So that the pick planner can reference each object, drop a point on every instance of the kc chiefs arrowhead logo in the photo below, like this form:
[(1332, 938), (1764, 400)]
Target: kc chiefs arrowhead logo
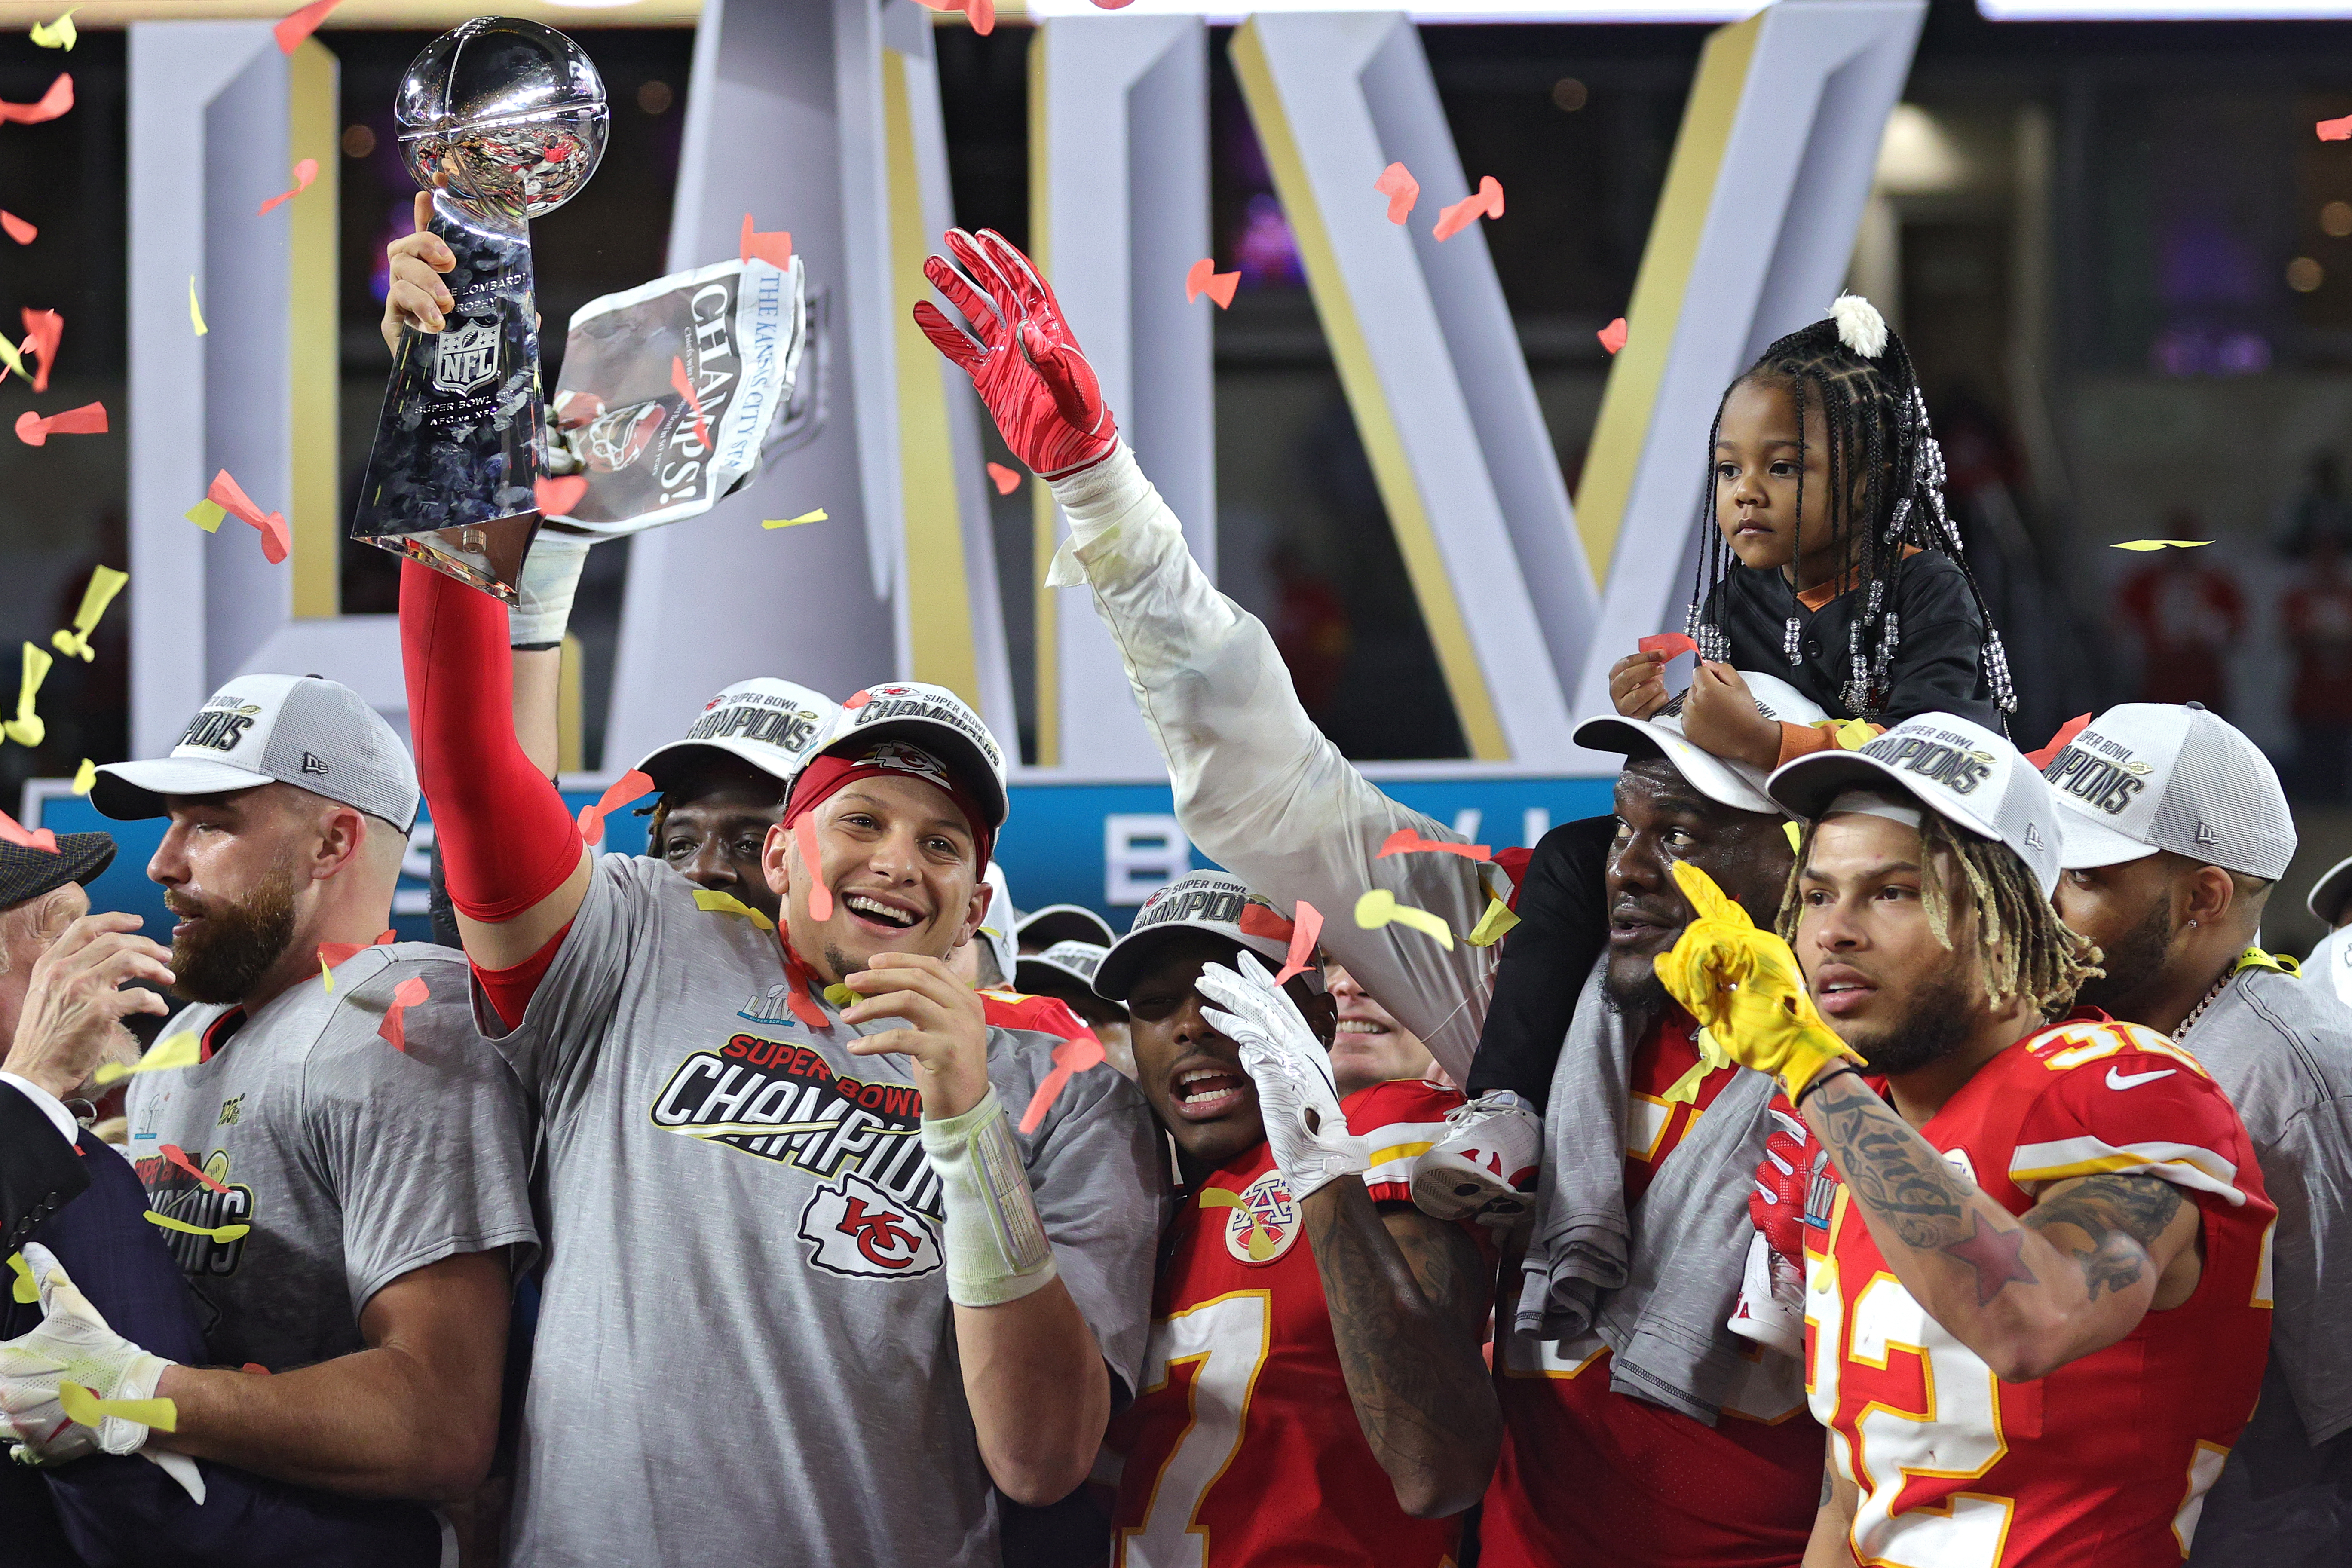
[(855, 1228)]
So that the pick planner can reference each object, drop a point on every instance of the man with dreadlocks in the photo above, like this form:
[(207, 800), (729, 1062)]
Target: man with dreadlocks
[(1831, 555), (2038, 1280)]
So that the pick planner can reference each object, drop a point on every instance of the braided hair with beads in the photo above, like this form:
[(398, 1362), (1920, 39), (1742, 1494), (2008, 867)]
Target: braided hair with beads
[(1886, 474)]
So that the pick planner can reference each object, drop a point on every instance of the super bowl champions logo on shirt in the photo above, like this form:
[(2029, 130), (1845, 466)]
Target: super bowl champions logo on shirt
[(878, 1217), (187, 1202)]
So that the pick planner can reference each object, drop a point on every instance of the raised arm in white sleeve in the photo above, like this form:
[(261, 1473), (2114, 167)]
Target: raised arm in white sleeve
[(1258, 787)]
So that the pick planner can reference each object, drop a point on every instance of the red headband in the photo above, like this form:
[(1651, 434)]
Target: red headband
[(827, 775)]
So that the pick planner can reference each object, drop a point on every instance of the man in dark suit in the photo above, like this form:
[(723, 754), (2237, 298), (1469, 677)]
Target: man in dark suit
[(62, 971)]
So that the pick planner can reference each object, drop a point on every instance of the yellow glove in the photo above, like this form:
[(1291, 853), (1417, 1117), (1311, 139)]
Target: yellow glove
[(1744, 986)]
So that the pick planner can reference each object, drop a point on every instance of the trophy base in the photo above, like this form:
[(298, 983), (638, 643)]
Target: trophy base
[(484, 555)]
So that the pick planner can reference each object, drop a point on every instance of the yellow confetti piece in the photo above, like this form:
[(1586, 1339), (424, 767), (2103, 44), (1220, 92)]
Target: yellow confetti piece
[(23, 1290), (1260, 1245), (182, 1050), (9, 357), (223, 1233), (85, 777), (1712, 1058), (28, 727), (1379, 907), (1796, 839), (2162, 543), (728, 904), (195, 312), (57, 35), (842, 995), (1855, 733), (817, 516), (84, 1408), (1493, 925), (206, 515), (326, 976), (105, 582)]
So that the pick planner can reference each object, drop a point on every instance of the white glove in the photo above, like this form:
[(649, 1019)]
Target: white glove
[(551, 575), (73, 1345), (1292, 1069)]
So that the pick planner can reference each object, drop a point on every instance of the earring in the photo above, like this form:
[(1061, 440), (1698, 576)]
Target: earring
[(2193, 925)]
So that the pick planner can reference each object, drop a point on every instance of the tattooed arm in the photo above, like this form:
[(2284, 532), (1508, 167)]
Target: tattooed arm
[(1828, 1546), (2074, 1276), (1408, 1297)]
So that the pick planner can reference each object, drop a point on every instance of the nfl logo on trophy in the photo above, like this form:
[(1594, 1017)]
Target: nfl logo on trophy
[(468, 358)]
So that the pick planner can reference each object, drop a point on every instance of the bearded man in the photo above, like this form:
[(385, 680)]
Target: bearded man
[(340, 1167)]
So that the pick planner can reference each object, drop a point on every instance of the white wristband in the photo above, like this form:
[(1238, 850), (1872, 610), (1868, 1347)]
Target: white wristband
[(995, 1245), (550, 574)]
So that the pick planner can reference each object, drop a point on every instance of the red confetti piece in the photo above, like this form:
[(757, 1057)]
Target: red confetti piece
[(820, 899), (775, 249), (2336, 130), (54, 102), (1405, 841), (1397, 183), (1487, 201), (89, 420), (1670, 644), (43, 328), (405, 995), (1204, 279), (1006, 479), (858, 699), (1613, 336), (227, 494), (256, 1368), (1305, 933), (684, 388), (300, 24), (332, 954), (796, 994), (1071, 1057), (981, 13), (557, 497), (631, 786), (304, 173), (14, 832), (178, 1156), (2058, 742), (1258, 920), (20, 231)]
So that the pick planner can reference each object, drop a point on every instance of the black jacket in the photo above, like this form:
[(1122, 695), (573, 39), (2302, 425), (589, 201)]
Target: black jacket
[(1938, 657), (39, 1171)]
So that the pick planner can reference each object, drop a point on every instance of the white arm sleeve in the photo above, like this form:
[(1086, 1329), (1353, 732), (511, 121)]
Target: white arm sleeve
[(1258, 787)]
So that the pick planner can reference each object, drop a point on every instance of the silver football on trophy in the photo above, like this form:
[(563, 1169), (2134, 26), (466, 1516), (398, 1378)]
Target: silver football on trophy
[(512, 111)]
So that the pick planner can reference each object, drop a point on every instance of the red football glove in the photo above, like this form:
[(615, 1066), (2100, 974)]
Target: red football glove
[(1777, 1203), (1038, 386)]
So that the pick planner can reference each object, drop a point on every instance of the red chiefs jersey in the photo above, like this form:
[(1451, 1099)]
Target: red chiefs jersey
[(1592, 1477), (2105, 1461), (1242, 1447)]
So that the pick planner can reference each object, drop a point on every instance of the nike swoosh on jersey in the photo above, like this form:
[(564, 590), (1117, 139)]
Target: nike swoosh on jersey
[(2118, 1079)]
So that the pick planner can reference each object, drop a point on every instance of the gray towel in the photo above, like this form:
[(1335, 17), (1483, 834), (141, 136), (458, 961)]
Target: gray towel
[(1659, 1283)]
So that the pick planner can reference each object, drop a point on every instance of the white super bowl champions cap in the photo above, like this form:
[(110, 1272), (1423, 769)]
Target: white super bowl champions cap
[(774, 725), (301, 729), (996, 925), (1958, 769), (929, 719), (1739, 785), (2147, 776), (1198, 900)]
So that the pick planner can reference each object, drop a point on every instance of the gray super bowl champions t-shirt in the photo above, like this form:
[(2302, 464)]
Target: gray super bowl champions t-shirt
[(746, 1354), (349, 1162)]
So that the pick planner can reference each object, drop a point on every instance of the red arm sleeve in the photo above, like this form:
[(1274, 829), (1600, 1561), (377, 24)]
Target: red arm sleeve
[(506, 840)]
